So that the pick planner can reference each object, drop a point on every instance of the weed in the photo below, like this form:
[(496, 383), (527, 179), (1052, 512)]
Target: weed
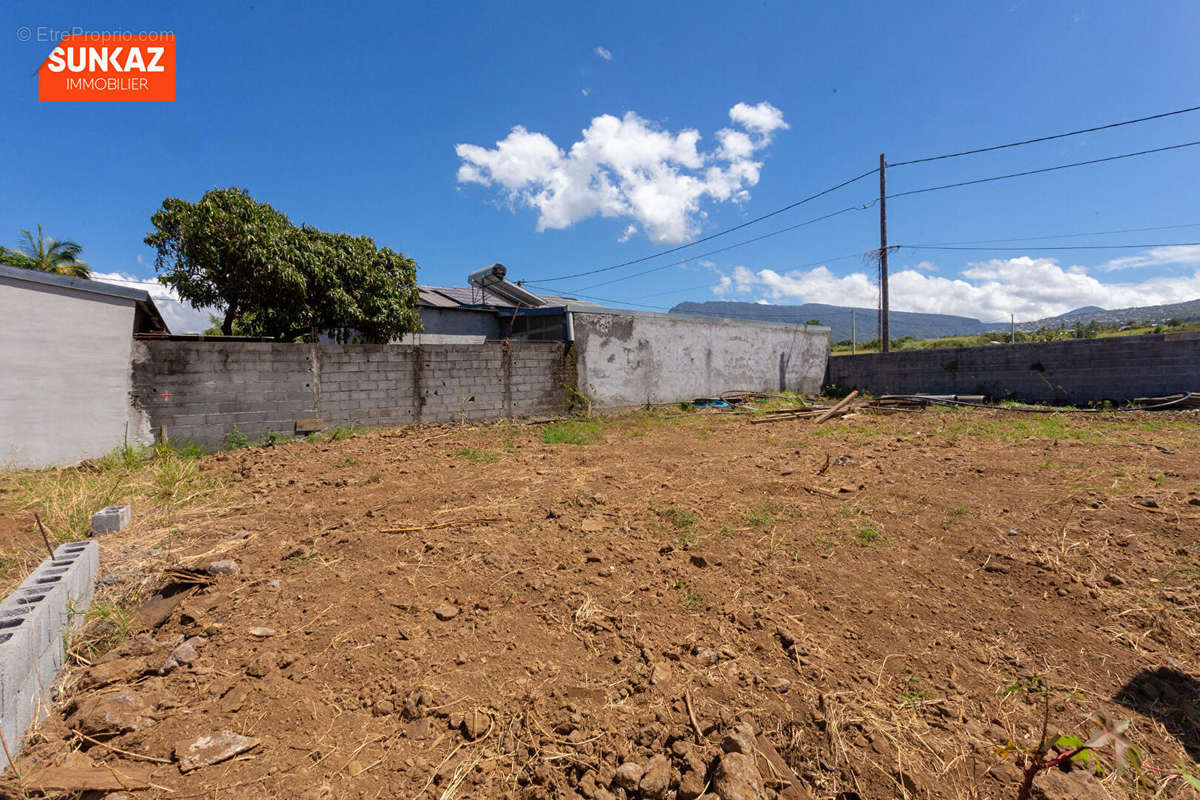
[(681, 519), (825, 547), (272, 438), (869, 537), (298, 561), (105, 626), (374, 477), (576, 431), (685, 539), (349, 431), (237, 440), (911, 694), (726, 531), (686, 595), (476, 454), (346, 461)]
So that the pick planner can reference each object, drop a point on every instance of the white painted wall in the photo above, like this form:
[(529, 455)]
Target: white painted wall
[(634, 358), (65, 374)]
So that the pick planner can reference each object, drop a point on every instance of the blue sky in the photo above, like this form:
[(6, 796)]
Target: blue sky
[(353, 117)]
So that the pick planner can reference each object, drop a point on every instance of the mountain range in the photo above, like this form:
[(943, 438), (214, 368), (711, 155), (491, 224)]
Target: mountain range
[(927, 326)]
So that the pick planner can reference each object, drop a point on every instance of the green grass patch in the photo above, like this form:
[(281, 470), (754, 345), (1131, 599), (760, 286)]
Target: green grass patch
[(575, 431), (478, 454)]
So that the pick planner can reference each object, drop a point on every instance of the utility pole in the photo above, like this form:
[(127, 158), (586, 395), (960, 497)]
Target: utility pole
[(853, 333), (884, 335), (1012, 327)]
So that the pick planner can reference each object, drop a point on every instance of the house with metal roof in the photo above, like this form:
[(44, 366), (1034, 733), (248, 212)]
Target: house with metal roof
[(65, 354)]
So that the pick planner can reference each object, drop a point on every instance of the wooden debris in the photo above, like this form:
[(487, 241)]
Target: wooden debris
[(448, 524), (78, 773), (850, 403), (839, 406)]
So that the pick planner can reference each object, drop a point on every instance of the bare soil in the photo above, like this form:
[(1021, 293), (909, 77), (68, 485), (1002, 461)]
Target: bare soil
[(473, 612)]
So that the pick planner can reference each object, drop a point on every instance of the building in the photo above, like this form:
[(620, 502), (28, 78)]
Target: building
[(65, 352), (622, 358)]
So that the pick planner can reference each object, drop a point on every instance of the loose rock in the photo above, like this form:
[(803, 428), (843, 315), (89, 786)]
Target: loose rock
[(475, 724), (656, 779), (445, 612), (225, 566), (261, 632), (736, 778), (628, 776), (112, 714), (212, 748)]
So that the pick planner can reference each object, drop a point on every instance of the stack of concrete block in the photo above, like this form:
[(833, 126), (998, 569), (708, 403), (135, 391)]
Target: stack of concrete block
[(34, 622)]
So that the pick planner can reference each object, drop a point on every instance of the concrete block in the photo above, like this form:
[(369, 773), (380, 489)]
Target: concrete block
[(34, 620), (110, 519)]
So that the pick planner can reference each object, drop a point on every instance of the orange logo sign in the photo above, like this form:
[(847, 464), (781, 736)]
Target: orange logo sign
[(109, 67)]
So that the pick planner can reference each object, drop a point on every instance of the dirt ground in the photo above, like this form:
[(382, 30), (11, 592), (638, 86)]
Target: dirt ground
[(870, 609)]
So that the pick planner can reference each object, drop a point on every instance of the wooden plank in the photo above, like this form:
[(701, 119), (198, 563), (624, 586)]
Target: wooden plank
[(845, 401), (309, 425)]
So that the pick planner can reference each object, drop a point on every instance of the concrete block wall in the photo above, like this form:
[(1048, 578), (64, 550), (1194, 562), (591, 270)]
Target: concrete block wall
[(1081, 371), (202, 390), (34, 620), (630, 358)]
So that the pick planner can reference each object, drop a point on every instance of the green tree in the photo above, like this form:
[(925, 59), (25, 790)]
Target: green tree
[(272, 278), (47, 255)]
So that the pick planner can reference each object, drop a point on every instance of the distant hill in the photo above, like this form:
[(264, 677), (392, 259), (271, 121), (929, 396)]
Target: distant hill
[(929, 326), (1152, 314), (902, 323)]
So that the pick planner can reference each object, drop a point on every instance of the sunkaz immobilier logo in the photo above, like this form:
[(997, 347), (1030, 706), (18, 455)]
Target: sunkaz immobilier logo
[(107, 67)]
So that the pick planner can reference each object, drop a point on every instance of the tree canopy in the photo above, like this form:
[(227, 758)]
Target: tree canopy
[(47, 255), (272, 278)]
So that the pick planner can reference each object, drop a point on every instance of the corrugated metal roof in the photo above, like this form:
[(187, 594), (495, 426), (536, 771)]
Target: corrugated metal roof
[(466, 296)]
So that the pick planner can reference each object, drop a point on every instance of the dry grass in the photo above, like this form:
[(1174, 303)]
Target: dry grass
[(159, 482)]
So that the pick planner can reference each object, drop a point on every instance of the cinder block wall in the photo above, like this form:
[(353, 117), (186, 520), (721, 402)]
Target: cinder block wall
[(1119, 368), (34, 621), (202, 390), (629, 358)]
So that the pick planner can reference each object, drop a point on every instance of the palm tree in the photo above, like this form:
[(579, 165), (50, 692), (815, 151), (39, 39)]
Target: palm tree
[(47, 255)]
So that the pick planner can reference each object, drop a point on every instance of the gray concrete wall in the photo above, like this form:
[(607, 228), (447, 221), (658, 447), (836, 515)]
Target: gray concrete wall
[(203, 390), (1081, 371), (64, 358), (633, 358), (34, 620)]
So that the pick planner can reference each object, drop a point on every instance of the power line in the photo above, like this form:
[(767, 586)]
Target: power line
[(1069, 235), (725, 249), (859, 177), (710, 237), (1061, 247), (1046, 138), (1043, 169)]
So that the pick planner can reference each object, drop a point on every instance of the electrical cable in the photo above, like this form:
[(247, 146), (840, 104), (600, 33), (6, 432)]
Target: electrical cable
[(710, 237), (729, 247), (1068, 235), (1059, 247), (1042, 170), (1046, 138)]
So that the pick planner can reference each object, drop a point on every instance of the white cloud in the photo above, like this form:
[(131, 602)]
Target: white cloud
[(763, 118), (1030, 288), (626, 167), (724, 287), (603, 52), (1171, 255), (628, 234), (585, 92), (179, 316)]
